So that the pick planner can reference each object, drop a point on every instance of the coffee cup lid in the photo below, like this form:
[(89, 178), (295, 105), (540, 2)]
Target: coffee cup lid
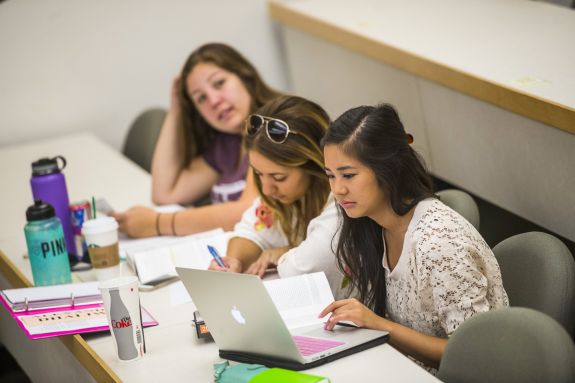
[(99, 225)]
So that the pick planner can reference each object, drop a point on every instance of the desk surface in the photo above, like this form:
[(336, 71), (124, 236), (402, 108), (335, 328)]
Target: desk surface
[(515, 54), (174, 353)]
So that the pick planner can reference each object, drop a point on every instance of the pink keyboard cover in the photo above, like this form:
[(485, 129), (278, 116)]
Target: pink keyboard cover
[(309, 346)]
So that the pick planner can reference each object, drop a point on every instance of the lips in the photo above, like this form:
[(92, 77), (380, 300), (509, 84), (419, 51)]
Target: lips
[(346, 204), (224, 114)]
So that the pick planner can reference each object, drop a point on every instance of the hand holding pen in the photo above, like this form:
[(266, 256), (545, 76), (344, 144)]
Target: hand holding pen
[(217, 257), (230, 264)]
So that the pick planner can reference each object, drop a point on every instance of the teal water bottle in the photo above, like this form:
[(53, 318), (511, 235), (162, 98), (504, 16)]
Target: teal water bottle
[(46, 246)]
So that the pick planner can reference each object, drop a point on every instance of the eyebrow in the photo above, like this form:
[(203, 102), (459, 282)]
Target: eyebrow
[(342, 168), (270, 174), (209, 79)]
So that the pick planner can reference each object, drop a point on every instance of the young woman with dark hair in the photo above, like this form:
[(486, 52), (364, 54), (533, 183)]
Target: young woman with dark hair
[(420, 269)]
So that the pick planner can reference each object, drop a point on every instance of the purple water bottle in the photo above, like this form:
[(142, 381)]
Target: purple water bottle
[(49, 185)]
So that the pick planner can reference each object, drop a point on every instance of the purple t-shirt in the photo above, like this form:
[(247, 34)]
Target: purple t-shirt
[(223, 156)]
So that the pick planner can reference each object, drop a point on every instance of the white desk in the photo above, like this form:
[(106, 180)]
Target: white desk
[(174, 354), (487, 87)]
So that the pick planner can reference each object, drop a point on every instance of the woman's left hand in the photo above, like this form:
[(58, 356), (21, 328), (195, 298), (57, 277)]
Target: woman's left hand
[(351, 310), (268, 258)]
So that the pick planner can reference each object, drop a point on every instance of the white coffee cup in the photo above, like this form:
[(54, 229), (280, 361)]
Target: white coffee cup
[(122, 306), (102, 241)]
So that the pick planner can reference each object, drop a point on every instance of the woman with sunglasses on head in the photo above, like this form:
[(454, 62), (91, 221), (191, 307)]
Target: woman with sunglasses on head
[(293, 223), (199, 148), (419, 267)]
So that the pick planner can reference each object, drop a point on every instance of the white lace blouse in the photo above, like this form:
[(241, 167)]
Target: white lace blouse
[(446, 273)]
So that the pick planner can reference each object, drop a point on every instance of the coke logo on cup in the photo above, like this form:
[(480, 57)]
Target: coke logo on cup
[(122, 323)]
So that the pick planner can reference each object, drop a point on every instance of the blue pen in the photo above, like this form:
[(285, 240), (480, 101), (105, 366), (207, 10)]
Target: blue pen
[(216, 256)]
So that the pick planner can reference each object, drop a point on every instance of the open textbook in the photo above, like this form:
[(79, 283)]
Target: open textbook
[(155, 259), (301, 298)]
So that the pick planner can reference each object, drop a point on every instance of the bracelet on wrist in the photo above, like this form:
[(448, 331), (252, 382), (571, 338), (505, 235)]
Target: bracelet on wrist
[(158, 233), (174, 224)]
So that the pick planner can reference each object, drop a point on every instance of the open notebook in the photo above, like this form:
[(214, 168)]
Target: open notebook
[(155, 259)]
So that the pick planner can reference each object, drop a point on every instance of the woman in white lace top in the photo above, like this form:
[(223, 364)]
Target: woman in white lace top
[(420, 268)]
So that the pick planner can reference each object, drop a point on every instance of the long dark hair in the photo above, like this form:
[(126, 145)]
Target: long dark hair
[(301, 150), (195, 134), (375, 136)]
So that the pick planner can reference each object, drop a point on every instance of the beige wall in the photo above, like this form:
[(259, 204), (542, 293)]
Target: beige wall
[(516, 163), (79, 65)]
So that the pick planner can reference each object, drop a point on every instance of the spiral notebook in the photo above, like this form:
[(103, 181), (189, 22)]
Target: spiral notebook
[(57, 310)]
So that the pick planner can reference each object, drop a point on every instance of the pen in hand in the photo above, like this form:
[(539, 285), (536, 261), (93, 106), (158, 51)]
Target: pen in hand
[(217, 257)]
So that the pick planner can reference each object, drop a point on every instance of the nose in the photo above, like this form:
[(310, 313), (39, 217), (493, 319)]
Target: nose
[(268, 187), (214, 98), (337, 187)]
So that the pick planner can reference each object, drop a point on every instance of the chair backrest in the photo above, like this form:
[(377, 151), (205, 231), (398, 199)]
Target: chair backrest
[(462, 203), (141, 139), (538, 272), (511, 344), (564, 3)]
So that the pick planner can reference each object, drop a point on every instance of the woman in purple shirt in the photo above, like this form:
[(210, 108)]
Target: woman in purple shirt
[(199, 149)]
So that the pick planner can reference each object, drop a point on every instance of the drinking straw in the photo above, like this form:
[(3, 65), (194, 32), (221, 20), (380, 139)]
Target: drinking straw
[(94, 207)]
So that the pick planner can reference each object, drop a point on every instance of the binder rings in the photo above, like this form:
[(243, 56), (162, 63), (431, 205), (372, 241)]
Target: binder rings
[(49, 311)]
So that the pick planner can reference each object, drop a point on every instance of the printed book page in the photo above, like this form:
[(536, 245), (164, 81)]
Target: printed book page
[(301, 298)]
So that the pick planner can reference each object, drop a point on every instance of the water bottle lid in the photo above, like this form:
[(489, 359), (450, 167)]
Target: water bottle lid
[(39, 211), (45, 166)]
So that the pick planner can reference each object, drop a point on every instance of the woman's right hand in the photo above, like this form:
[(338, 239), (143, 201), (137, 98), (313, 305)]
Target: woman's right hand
[(137, 222), (175, 101), (232, 265)]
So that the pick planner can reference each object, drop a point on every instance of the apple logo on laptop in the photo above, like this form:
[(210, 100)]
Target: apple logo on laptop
[(237, 314)]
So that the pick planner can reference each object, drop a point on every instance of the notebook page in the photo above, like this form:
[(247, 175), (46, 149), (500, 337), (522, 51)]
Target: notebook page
[(301, 298), (45, 293), (159, 263), (154, 265), (196, 255), (129, 246)]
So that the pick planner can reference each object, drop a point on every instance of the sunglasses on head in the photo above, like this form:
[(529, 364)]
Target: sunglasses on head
[(276, 130)]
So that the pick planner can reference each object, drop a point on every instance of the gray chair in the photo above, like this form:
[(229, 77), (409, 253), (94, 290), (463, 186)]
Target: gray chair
[(564, 3), (141, 139), (511, 344), (462, 203), (538, 272)]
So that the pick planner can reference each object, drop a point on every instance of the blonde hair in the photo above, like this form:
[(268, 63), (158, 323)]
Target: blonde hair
[(301, 150)]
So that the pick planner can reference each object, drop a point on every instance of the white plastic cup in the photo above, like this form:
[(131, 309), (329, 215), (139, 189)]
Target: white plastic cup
[(122, 306), (102, 241)]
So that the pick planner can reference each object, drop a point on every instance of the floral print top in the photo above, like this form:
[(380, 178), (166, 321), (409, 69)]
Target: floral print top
[(446, 273)]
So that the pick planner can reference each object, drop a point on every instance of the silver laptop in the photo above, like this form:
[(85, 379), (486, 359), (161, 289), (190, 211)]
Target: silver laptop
[(247, 326)]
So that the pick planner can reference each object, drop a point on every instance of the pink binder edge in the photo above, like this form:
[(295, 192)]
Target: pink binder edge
[(16, 316)]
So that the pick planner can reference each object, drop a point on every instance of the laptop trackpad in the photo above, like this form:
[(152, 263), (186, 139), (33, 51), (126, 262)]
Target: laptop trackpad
[(317, 331)]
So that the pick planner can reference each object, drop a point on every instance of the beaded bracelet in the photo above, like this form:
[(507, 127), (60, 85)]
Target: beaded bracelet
[(174, 224), (158, 233)]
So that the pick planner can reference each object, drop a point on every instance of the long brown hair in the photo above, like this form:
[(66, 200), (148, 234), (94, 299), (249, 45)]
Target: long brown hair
[(301, 150), (195, 134)]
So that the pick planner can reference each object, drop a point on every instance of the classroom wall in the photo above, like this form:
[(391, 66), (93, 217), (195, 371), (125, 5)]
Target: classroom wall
[(518, 164), (79, 65)]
